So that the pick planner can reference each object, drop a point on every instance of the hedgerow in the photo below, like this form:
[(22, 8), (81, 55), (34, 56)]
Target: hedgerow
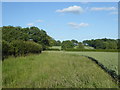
[(96, 50), (19, 48)]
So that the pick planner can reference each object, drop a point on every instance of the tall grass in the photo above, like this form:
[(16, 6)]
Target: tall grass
[(54, 70), (108, 59)]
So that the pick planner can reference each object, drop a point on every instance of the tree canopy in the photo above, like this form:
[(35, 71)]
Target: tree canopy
[(21, 41), (10, 33), (102, 43)]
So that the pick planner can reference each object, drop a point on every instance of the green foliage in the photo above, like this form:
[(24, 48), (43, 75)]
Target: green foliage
[(6, 48), (19, 47), (55, 43), (102, 43), (10, 33), (21, 41), (118, 41), (58, 43), (93, 50), (80, 46), (67, 44), (75, 42), (33, 47)]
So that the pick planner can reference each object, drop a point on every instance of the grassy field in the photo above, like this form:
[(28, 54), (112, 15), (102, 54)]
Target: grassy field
[(55, 47), (88, 47), (54, 69), (108, 59), (85, 47)]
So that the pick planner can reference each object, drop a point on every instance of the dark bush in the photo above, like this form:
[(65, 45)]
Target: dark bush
[(95, 50), (19, 48), (25, 47), (6, 49), (32, 47)]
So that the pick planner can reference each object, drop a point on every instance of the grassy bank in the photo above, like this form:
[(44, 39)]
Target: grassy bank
[(108, 59), (54, 69)]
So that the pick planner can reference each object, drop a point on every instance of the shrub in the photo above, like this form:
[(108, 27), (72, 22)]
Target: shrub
[(6, 49), (25, 47), (80, 46), (32, 47), (19, 47), (67, 44), (95, 50)]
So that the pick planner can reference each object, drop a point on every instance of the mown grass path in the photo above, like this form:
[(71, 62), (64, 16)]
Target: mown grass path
[(54, 69)]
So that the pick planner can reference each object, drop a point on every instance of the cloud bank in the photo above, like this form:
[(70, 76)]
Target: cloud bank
[(77, 26), (71, 9)]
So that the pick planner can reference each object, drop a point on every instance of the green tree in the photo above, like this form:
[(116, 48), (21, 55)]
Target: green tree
[(6, 49), (10, 33), (67, 44), (80, 45), (75, 42), (102, 43)]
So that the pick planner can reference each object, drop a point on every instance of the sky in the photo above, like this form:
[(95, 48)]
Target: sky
[(65, 20), (60, 0)]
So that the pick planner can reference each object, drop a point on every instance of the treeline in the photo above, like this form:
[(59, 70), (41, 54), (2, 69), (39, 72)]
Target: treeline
[(18, 41), (94, 50), (21, 41), (68, 44), (103, 43)]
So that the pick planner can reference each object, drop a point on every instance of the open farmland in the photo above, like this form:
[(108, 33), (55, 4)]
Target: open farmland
[(54, 69), (108, 59)]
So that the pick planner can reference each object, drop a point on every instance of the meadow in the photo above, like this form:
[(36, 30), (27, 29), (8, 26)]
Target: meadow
[(55, 47), (108, 59), (54, 69)]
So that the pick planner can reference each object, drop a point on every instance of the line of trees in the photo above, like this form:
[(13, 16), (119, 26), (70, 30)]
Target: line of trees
[(21, 41), (68, 44), (95, 43), (103, 43)]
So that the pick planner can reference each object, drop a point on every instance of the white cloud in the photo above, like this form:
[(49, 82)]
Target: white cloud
[(75, 25), (103, 8), (30, 24), (39, 21), (71, 9)]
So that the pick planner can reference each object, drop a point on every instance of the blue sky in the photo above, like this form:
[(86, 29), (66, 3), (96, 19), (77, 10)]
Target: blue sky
[(65, 20)]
